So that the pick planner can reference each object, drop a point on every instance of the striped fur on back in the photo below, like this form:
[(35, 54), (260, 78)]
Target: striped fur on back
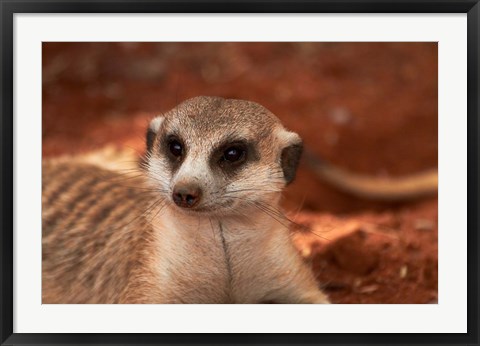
[(96, 234)]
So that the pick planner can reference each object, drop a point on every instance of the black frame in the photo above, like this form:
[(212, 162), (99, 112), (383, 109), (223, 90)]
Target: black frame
[(9, 7)]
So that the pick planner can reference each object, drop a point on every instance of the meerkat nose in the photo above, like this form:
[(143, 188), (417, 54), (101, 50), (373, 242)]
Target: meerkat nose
[(186, 196)]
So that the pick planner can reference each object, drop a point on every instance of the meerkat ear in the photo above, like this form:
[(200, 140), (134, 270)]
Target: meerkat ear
[(152, 131), (292, 147)]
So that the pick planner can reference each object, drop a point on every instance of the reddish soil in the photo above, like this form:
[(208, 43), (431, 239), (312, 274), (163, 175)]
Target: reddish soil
[(367, 107)]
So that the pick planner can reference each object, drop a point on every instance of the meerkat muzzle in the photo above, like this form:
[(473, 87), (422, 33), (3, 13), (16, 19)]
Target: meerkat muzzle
[(186, 196)]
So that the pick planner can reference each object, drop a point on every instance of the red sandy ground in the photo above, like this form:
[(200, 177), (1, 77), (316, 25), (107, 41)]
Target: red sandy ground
[(367, 107)]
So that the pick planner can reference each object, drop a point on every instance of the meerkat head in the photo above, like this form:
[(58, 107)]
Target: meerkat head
[(215, 155)]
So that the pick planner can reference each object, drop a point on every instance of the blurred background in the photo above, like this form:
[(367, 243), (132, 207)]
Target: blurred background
[(370, 108)]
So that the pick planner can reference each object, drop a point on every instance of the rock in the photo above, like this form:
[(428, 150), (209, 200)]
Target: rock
[(340, 116), (403, 272), (353, 253), (424, 225), (368, 289)]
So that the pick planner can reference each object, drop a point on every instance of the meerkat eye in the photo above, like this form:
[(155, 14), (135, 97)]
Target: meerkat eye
[(234, 154), (175, 147)]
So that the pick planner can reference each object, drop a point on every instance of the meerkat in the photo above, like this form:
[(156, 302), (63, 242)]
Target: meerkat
[(200, 223)]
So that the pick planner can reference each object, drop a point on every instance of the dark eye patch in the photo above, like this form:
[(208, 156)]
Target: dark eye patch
[(232, 155), (175, 150)]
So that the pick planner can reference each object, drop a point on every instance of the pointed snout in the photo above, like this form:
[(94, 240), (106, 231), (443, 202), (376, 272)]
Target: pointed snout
[(186, 195)]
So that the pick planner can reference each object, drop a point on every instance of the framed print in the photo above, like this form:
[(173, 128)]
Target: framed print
[(241, 173)]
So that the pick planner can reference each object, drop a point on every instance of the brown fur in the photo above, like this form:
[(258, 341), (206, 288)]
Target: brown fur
[(108, 238), (97, 240)]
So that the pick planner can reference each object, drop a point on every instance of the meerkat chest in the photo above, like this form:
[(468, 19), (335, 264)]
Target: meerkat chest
[(191, 263), (211, 262)]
